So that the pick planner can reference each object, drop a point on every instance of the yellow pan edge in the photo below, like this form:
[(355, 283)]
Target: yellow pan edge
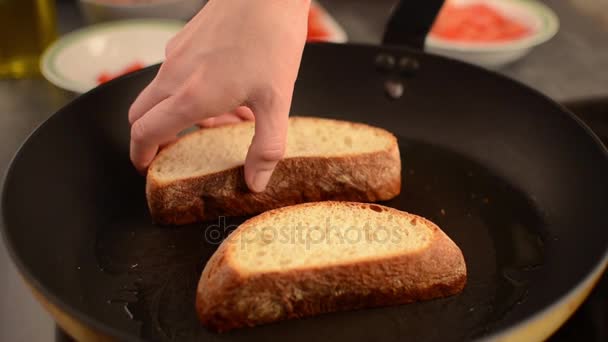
[(537, 328), (543, 324), (77, 330)]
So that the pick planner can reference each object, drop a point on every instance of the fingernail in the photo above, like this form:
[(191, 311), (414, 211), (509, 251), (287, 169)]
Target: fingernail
[(260, 180)]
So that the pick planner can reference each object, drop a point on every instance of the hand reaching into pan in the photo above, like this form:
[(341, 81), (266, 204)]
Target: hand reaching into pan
[(235, 60)]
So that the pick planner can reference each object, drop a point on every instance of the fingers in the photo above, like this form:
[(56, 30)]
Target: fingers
[(161, 87), (244, 113), (151, 131), (220, 120), (194, 102), (268, 145), (146, 100), (238, 115)]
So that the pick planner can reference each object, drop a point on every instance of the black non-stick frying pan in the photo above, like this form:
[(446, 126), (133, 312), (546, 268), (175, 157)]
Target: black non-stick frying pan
[(517, 181)]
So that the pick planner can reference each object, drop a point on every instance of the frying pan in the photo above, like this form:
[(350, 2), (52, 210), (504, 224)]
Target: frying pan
[(512, 177)]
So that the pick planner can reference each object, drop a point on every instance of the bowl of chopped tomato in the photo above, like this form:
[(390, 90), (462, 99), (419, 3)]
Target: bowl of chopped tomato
[(490, 33)]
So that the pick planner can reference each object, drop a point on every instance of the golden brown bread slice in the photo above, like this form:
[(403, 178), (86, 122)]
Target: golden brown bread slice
[(322, 257), (200, 176)]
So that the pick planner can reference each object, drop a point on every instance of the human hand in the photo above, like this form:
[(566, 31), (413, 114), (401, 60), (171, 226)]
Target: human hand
[(235, 60)]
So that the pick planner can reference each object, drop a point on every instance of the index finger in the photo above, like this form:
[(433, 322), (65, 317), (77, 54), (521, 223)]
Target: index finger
[(193, 103), (146, 100)]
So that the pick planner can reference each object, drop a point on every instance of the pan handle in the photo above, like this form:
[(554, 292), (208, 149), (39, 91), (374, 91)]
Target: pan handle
[(410, 22)]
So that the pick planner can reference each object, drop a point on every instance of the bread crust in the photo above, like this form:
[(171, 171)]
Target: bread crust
[(365, 177), (228, 298)]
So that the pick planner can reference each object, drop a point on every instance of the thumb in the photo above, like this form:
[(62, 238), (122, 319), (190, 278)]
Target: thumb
[(268, 144)]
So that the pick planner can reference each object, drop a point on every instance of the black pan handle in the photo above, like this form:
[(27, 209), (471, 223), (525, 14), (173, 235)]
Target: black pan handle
[(410, 22)]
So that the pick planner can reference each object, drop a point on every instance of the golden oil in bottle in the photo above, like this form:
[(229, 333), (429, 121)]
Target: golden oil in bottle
[(27, 27)]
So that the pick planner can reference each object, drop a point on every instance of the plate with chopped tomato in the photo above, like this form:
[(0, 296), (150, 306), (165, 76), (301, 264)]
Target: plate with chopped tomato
[(491, 33), (85, 58)]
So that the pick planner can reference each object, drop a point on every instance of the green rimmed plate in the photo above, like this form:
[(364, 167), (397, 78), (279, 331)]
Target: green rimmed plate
[(75, 61)]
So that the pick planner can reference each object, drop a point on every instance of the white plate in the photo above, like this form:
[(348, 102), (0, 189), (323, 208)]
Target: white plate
[(76, 60), (542, 21)]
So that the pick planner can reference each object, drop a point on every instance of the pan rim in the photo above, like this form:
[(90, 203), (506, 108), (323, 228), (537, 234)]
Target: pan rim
[(106, 329), (24, 271), (577, 292)]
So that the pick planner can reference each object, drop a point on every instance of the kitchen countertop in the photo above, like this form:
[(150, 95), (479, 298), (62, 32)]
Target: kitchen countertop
[(572, 65)]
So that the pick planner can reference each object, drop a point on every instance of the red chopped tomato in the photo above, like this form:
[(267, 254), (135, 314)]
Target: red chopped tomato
[(316, 28), (105, 76), (476, 22)]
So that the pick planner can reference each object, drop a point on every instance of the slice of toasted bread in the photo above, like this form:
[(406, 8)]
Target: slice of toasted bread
[(321, 257), (200, 177)]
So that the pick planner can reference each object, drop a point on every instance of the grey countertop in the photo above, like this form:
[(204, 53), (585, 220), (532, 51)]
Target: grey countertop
[(573, 65)]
